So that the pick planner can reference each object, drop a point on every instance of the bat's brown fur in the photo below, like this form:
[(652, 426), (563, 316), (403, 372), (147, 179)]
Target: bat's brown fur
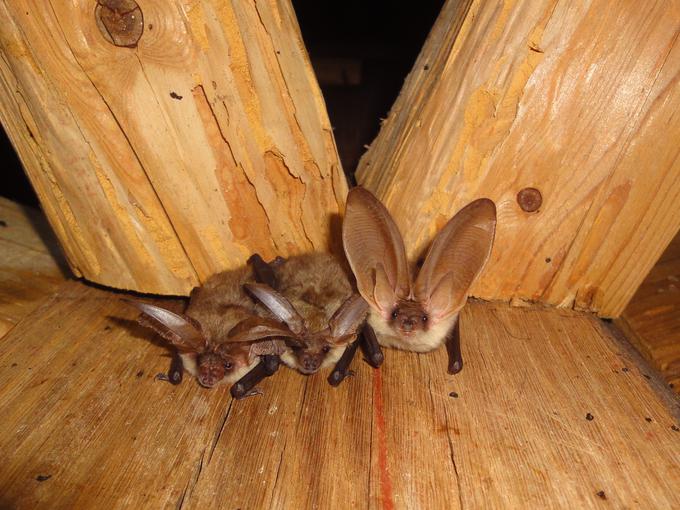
[(316, 284), (214, 309)]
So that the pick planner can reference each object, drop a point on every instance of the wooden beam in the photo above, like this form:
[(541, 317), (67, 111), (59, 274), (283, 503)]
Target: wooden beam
[(165, 159), (652, 318), (549, 411), (577, 100), (31, 264)]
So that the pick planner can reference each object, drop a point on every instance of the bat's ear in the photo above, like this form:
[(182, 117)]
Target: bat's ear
[(277, 305), (375, 251), (455, 259), (256, 328), (266, 347), (347, 319), (180, 330)]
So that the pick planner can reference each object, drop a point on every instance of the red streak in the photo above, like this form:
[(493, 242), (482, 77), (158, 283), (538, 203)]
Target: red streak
[(385, 480)]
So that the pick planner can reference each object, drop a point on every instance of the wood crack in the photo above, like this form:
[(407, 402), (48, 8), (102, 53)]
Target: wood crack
[(191, 483), (278, 473), (453, 458), (219, 432)]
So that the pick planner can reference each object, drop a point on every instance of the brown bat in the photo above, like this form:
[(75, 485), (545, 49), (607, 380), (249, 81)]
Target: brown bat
[(416, 315), (315, 298), (222, 333)]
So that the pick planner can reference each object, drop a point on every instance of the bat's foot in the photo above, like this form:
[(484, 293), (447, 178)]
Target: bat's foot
[(456, 366), (245, 387), (239, 392), (173, 377), (337, 376), (453, 349), (375, 359), (371, 348)]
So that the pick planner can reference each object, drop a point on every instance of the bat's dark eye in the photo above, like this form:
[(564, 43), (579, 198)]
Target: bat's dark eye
[(228, 365), (395, 314), (326, 348), (424, 318)]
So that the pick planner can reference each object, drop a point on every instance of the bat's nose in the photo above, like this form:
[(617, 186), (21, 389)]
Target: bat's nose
[(310, 363), (407, 324), (207, 382)]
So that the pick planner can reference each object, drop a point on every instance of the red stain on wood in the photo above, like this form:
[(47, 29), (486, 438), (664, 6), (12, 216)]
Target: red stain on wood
[(385, 480)]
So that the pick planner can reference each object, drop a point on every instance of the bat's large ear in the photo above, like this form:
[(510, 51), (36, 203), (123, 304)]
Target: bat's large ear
[(455, 259), (266, 347), (347, 319), (277, 305), (375, 251), (183, 332), (256, 328)]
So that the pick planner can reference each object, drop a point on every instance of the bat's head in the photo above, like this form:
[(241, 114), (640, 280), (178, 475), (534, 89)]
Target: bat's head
[(212, 368), (311, 350), (408, 318), (215, 360)]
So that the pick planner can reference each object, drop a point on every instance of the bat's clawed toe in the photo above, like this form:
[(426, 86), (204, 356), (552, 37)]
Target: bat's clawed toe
[(456, 366), (375, 359), (173, 377), (239, 391), (339, 375)]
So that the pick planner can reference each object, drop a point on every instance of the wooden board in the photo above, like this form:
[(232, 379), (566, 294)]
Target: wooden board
[(206, 141), (31, 265), (652, 318), (576, 99), (82, 412)]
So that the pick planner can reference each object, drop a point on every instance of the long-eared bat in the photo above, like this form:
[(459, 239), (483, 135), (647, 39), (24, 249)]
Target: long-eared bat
[(315, 298), (416, 315), (222, 333)]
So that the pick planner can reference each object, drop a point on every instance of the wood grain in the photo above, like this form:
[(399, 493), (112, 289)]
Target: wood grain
[(206, 142), (578, 100), (80, 405), (652, 318)]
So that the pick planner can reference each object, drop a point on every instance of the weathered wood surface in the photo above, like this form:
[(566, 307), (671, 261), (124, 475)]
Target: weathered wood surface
[(206, 142), (576, 99), (31, 265), (81, 407), (652, 318)]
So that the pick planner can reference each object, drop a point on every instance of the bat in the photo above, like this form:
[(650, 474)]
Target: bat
[(416, 315), (222, 334), (316, 300)]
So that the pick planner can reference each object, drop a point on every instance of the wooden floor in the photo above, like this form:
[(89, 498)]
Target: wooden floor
[(652, 318), (549, 411)]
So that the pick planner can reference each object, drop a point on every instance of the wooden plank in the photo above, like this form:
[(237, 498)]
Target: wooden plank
[(31, 265), (80, 405), (652, 318), (203, 142), (576, 99)]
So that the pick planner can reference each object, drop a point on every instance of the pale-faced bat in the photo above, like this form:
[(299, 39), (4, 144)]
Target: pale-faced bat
[(222, 333), (315, 298), (416, 316)]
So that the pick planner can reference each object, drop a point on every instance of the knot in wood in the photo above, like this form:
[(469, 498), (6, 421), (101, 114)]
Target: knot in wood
[(121, 22), (529, 199)]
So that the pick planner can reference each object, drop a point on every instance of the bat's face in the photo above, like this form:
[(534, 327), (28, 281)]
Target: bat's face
[(310, 358), (212, 368), (408, 318)]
